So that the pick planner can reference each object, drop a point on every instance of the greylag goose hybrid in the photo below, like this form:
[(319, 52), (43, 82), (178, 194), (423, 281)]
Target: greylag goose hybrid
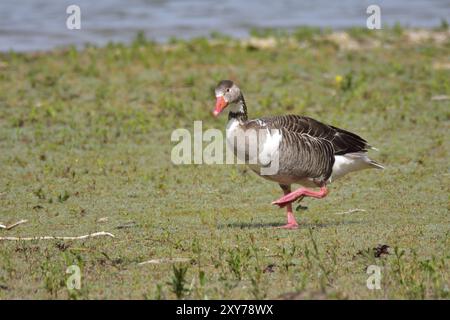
[(307, 151)]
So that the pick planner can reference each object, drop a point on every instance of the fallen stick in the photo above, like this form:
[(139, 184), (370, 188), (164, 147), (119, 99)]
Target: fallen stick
[(164, 260), (9, 227), (440, 98), (351, 211), (92, 235)]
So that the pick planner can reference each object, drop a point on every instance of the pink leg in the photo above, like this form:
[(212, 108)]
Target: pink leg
[(291, 197), (291, 222)]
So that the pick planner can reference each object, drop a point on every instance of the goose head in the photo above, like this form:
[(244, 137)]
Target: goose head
[(227, 93)]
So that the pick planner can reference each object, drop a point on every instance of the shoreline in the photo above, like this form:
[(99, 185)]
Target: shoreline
[(347, 38)]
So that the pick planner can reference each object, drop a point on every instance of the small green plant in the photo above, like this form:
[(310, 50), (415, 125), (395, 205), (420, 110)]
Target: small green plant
[(399, 264), (257, 288), (6, 265), (53, 276), (444, 25), (178, 282), (347, 84), (236, 263), (62, 197), (159, 294), (39, 193), (140, 39), (288, 255), (397, 29), (324, 273), (197, 250)]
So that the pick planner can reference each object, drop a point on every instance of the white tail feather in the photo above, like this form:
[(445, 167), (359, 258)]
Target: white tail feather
[(350, 162)]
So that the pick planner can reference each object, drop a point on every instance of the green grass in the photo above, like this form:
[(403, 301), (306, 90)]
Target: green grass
[(85, 135)]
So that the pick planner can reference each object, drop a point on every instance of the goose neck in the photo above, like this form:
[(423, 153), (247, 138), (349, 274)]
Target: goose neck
[(239, 111)]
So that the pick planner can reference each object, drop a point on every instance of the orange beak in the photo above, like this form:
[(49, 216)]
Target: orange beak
[(220, 105)]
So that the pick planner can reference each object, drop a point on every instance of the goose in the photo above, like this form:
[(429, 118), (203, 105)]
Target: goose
[(306, 152)]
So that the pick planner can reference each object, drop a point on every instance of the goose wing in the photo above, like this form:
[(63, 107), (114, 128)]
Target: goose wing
[(308, 147), (342, 141)]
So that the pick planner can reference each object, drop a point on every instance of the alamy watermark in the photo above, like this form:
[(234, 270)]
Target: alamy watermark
[(374, 280), (253, 147), (374, 20), (73, 21), (74, 280)]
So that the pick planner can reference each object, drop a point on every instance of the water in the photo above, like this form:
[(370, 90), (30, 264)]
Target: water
[(41, 24)]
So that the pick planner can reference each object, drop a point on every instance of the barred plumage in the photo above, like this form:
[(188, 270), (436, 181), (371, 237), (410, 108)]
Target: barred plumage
[(308, 146)]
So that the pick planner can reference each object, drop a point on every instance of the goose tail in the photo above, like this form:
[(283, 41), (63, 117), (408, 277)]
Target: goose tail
[(375, 164)]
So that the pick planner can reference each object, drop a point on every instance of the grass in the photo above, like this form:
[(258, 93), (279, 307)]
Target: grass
[(85, 147)]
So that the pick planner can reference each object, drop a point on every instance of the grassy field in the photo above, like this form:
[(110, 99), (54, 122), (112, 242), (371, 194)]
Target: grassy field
[(85, 147)]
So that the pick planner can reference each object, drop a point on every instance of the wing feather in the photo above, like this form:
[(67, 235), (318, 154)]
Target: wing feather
[(343, 141)]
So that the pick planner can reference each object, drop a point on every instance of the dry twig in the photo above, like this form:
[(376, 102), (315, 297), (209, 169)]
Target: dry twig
[(351, 211), (164, 260), (9, 227), (92, 235)]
